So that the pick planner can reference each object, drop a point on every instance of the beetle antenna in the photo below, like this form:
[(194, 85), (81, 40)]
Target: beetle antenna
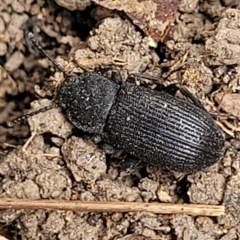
[(55, 63), (26, 116)]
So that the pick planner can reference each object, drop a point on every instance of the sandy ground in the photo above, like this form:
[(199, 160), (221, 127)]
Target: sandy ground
[(201, 51)]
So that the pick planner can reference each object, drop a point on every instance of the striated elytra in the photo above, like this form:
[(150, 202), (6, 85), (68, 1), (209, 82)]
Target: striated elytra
[(154, 126)]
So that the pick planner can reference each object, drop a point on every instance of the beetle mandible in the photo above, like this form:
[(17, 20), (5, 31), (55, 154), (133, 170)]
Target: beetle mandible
[(154, 126)]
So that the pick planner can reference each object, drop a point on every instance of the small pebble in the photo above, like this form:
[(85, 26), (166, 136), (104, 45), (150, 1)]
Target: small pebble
[(14, 61)]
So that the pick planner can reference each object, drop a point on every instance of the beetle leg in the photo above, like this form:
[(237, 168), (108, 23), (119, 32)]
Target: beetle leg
[(173, 88), (107, 148), (116, 77), (131, 164), (145, 76), (189, 95), (135, 76)]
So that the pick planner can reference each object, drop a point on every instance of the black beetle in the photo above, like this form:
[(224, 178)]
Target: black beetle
[(156, 127)]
